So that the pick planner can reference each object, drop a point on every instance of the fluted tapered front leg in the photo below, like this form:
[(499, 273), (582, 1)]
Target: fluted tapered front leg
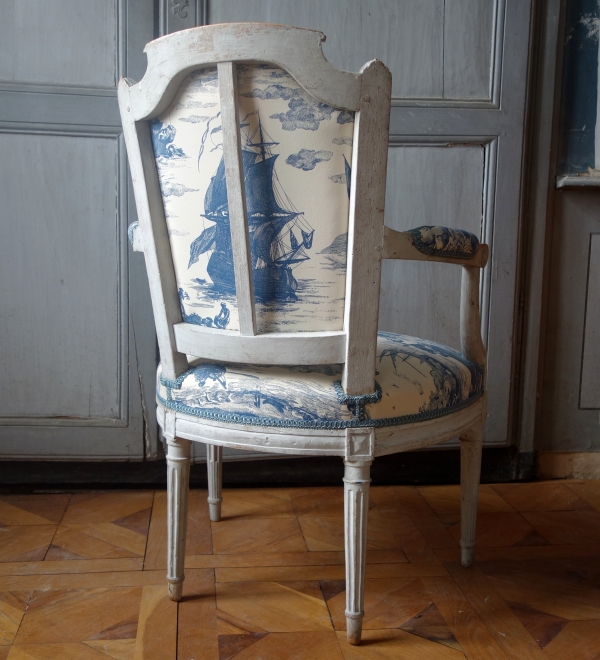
[(470, 469), (178, 482), (356, 510), (214, 465)]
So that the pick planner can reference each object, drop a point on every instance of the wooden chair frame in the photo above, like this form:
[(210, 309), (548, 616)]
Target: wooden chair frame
[(298, 51)]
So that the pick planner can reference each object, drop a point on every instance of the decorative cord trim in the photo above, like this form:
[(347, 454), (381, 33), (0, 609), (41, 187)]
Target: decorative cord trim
[(434, 252), (323, 424), (131, 229), (171, 384), (357, 402)]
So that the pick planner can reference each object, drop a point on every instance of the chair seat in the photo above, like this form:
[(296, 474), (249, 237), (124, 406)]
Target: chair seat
[(416, 380)]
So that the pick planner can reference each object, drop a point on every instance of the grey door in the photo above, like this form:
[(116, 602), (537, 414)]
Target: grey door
[(459, 80), (76, 335)]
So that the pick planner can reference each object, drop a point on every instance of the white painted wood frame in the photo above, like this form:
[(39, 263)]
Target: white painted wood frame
[(367, 94)]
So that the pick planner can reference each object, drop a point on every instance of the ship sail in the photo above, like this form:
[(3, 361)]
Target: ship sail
[(271, 220)]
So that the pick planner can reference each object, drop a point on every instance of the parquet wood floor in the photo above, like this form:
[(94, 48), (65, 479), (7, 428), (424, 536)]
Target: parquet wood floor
[(82, 576)]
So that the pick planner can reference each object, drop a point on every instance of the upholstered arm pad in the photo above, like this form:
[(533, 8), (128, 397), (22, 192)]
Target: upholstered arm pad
[(430, 243)]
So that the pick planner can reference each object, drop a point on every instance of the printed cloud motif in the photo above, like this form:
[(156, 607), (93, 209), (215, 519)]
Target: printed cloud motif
[(275, 91), (345, 117), (303, 114), (339, 178), (173, 189), (307, 159), (195, 119)]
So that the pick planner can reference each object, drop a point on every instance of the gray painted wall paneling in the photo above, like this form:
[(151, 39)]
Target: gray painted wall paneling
[(565, 426), (590, 368), (456, 175), (60, 295), (82, 355), (468, 41), (62, 42), (435, 49)]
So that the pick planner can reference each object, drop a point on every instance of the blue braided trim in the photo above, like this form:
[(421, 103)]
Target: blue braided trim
[(175, 384), (357, 402), (132, 227), (324, 424), (344, 398), (433, 252)]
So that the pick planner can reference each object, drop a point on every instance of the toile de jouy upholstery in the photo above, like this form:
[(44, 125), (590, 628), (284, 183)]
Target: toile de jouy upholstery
[(296, 153), (416, 380)]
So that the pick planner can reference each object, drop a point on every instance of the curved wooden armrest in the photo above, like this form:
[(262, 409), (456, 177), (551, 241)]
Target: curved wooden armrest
[(401, 245)]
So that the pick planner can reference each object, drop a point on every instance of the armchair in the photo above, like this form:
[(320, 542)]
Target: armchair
[(259, 175)]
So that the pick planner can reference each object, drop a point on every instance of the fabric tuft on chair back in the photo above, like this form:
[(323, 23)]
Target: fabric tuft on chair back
[(296, 158)]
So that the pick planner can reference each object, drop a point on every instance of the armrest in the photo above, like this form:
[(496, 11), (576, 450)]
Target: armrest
[(452, 246)]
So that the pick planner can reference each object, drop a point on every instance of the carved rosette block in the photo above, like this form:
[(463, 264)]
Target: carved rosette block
[(470, 469), (214, 466), (178, 481), (356, 510)]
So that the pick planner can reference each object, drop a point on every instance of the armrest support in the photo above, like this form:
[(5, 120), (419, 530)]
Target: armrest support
[(470, 322), (401, 245)]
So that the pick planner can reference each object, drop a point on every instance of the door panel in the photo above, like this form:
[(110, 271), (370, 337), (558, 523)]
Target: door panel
[(79, 359), (423, 298), (62, 42), (435, 49)]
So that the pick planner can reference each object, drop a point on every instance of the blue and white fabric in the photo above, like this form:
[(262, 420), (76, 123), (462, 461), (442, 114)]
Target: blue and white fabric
[(296, 154), (416, 380)]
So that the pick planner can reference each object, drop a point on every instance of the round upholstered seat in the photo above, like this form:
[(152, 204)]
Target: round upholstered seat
[(415, 380)]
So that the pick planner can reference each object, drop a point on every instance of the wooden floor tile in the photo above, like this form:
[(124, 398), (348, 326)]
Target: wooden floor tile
[(395, 645), (199, 540), (587, 490), (32, 509), (319, 502), (156, 637), (4, 651), (25, 542), (274, 607), (95, 541), (502, 529), (521, 552), (197, 635), (256, 503), (81, 580), (61, 651), (508, 632), (257, 535), (291, 646), (12, 609), (446, 499), (579, 639), (276, 573), (76, 615), (566, 527), (411, 540), (467, 627), (327, 533), (548, 496), (108, 507), (391, 500), (75, 566)]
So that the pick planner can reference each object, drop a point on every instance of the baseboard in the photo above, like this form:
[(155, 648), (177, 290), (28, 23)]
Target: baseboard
[(568, 465), (499, 464)]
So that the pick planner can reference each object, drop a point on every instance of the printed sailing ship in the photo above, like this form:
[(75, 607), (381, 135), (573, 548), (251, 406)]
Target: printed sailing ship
[(279, 235)]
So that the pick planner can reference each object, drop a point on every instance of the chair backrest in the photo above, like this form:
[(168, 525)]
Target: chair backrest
[(259, 175)]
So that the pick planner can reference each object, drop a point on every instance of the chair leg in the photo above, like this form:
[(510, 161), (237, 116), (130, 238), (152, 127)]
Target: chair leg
[(214, 465), (356, 510), (470, 470), (178, 481)]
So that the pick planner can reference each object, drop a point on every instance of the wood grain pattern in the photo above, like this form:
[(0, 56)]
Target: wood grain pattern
[(518, 601)]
